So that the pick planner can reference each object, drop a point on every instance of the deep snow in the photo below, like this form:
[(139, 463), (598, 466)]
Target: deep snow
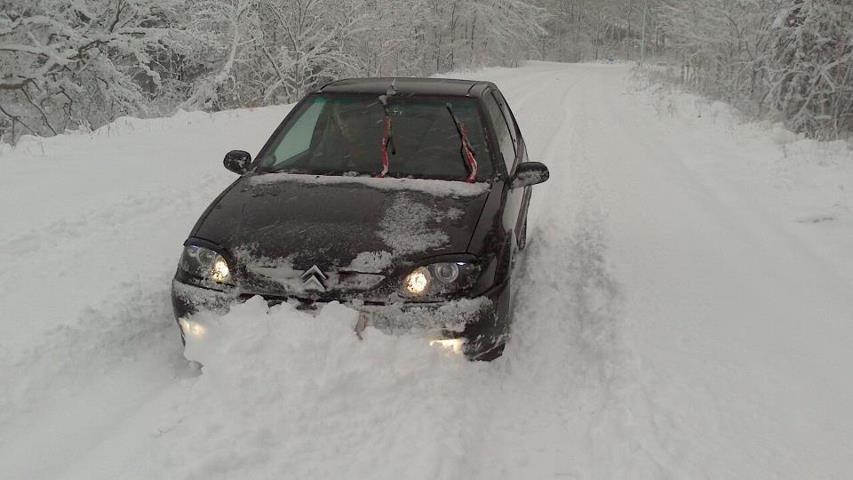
[(683, 311)]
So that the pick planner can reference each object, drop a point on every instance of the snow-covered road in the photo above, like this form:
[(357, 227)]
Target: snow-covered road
[(684, 310)]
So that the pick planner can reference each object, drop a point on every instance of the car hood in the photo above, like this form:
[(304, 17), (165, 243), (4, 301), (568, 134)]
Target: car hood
[(283, 222)]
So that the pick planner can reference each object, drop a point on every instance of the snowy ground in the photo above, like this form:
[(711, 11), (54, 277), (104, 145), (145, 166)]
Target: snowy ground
[(684, 311)]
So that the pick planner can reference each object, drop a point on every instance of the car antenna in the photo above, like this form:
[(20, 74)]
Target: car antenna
[(387, 129), (467, 151)]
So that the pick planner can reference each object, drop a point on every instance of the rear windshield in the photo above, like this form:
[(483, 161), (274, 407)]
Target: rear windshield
[(342, 135)]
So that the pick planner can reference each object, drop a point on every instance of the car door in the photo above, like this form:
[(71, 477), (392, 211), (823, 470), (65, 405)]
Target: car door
[(513, 152), (521, 157)]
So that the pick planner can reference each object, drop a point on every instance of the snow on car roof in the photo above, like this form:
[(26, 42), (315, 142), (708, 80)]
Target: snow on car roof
[(409, 86)]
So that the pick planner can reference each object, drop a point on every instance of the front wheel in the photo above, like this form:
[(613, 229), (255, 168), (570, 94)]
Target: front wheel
[(492, 354)]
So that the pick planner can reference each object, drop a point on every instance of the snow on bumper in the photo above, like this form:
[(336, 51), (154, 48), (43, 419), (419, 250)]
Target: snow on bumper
[(450, 316), (189, 299), (453, 315)]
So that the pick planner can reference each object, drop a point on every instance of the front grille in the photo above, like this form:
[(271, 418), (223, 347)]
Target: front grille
[(320, 286)]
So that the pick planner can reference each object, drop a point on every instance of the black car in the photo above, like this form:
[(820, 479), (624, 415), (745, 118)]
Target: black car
[(403, 198)]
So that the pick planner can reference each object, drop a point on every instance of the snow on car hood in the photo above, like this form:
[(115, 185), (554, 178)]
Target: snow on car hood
[(436, 187), (342, 223)]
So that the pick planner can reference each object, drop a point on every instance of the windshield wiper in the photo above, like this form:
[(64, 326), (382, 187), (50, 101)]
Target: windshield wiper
[(387, 131), (467, 151)]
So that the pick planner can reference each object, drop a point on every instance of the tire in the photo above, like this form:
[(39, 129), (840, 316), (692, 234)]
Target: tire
[(488, 334), (493, 354)]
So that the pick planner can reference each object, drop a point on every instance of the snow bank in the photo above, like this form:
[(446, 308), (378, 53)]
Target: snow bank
[(805, 183), (249, 414), (254, 336), (131, 126)]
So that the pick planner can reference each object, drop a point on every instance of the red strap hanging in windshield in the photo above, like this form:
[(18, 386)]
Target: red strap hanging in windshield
[(386, 136), (468, 152)]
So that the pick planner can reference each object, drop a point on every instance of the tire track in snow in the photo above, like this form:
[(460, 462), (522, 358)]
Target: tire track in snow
[(516, 422), (603, 425), (570, 304), (737, 326), (582, 414), (558, 395)]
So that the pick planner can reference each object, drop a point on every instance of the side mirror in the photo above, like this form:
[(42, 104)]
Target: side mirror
[(530, 173), (238, 161)]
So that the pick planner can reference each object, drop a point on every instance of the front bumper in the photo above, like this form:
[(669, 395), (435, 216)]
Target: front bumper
[(482, 321)]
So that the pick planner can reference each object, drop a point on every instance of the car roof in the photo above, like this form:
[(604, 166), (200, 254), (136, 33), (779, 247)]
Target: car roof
[(409, 86)]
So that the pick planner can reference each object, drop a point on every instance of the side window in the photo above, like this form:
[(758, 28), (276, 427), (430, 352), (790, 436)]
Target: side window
[(298, 138), (505, 138), (513, 128)]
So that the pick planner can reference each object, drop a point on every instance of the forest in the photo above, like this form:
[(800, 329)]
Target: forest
[(79, 64)]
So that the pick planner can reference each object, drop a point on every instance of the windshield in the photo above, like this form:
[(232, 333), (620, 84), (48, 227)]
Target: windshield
[(343, 135)]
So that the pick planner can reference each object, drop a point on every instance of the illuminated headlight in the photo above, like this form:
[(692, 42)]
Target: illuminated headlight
[(453, 345), (417, 282), (440, 278), (220, 272), (191, 328), (205, 264)]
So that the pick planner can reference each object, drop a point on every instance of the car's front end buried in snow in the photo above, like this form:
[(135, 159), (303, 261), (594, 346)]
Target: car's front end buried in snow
[(475, 327), (403, 199)]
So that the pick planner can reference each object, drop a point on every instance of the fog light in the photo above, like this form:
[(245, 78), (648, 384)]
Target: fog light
[(191, 328), (453, 345)]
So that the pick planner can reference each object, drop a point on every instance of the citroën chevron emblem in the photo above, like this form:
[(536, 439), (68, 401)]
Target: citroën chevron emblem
[(314, 278)]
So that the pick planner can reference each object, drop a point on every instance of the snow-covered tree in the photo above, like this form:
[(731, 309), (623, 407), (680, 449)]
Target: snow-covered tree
[(810, 72), (71, 63), (222, 32), (304, 43), (789, 58)]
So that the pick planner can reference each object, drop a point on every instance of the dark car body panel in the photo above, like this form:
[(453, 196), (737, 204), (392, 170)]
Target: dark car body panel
[(334, 221), (265, 217), (409, 86)]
